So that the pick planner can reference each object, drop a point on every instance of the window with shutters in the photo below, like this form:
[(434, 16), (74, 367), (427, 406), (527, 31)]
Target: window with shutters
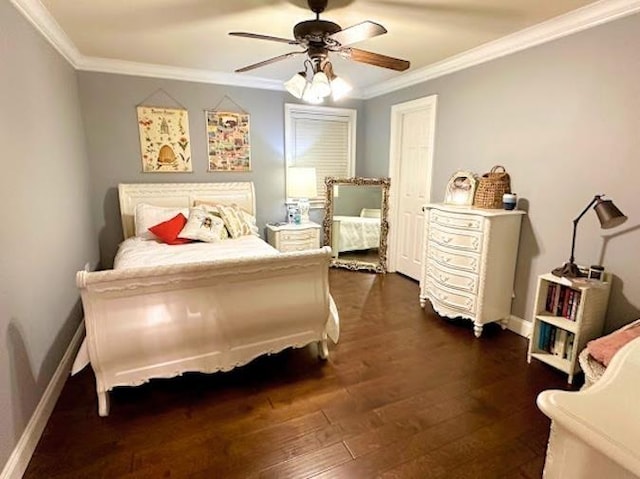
[(323, 138)]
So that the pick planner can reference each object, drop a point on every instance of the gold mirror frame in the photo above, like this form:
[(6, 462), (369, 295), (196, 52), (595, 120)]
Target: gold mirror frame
[(327, 223)]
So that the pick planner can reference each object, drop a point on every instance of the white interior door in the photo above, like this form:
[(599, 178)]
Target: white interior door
[(410, 167)]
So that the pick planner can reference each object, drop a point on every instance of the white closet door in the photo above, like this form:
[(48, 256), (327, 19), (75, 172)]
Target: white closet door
[(411, 160)]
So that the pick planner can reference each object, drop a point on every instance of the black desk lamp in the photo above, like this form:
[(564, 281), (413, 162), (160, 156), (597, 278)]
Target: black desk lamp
[(610, 217)]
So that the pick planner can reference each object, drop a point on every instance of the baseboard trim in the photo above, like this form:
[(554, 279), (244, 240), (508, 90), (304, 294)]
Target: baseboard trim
[(21, 455), (519, 326)]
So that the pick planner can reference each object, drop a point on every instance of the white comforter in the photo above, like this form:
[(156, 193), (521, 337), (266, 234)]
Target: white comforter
[(137, 252), (358, 233)]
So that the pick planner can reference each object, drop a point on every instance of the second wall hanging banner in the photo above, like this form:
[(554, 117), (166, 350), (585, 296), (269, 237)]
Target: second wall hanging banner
[(228, 139)]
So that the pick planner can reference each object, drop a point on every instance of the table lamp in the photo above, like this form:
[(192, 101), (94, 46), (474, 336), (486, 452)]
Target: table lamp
[(610, 217), (302, 186)]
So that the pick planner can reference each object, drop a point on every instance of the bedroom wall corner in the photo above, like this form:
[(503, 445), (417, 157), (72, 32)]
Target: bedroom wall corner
[(49, 234), (563, 118)]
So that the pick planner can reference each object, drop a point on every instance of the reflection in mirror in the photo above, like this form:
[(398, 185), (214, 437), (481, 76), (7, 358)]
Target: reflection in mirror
[(355, 222)]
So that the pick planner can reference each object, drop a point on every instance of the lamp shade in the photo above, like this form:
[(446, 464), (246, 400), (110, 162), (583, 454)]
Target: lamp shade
[(302, 182), (296, 84), (609, 214), (320, 85)]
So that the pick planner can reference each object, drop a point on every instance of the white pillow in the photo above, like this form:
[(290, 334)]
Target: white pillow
[(147, 216), (204, 225)]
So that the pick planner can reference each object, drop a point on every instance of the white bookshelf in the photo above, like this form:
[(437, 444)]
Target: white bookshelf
[(591, 298)]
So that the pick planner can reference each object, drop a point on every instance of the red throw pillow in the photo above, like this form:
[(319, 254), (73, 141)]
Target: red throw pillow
[(169, 230)]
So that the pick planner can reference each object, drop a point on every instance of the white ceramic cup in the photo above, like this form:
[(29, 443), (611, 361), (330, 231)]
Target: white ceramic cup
[(509, 201)]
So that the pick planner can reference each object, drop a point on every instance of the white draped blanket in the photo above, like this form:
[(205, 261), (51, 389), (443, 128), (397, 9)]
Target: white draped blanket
[(358, 233), (136, 252)]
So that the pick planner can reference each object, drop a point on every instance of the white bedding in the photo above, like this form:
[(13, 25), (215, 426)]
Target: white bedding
[(358, 233), (136, 252)]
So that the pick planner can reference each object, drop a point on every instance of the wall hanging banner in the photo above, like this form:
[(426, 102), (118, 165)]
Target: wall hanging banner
[(228, 141), (164, 139)]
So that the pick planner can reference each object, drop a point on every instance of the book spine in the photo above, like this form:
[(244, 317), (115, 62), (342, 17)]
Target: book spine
[(576, 304), (550, 297)]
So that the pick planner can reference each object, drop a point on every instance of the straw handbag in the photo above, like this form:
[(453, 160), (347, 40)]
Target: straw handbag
[(491, 187)]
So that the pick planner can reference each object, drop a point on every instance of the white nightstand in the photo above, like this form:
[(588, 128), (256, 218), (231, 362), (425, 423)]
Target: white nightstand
[(292, 237)]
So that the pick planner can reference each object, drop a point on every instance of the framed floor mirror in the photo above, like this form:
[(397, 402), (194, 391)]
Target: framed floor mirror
[(355, 222)]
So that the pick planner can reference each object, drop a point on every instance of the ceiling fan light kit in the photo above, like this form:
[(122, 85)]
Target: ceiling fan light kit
[(319, 38), (322, 83)]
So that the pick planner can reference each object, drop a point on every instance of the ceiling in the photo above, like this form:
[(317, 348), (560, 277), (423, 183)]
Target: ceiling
[(193, 34)]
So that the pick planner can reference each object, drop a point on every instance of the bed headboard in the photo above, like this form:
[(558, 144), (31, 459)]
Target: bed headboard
[(181, 195)]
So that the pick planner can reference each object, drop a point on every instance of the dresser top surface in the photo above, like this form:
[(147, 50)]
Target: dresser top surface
[(471, 210)]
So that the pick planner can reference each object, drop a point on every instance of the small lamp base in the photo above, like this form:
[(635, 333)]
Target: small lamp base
[(303, 208), (568, 270)]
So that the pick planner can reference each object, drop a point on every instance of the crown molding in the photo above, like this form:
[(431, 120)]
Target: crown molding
[(50, 29), (575, 21), (124, 67)]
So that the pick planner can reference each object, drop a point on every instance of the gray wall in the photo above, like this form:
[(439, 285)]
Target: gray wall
[(109, 109), (564, 119), (47, 230)]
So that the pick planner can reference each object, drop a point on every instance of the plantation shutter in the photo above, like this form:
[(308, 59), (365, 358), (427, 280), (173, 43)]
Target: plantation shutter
[(322, 141)]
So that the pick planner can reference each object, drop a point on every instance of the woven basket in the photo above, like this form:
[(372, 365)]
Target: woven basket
[(491, 187)]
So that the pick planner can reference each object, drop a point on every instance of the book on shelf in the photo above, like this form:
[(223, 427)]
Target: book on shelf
[(562, 301), (555, 341)]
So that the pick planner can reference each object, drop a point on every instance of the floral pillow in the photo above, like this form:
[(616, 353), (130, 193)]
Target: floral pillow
[(204, 225)]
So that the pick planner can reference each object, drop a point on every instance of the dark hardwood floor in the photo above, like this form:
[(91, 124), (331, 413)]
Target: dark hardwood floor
[(405, 394)]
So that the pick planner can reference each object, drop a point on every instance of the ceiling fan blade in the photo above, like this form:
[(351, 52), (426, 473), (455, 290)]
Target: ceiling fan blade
[(264, 37), (376, 59), (359, 32), (269, 61)]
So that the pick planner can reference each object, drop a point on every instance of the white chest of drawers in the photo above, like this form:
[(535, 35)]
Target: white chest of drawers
[(292, 237), (469, 261)]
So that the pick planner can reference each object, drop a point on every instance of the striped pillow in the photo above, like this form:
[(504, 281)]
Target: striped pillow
[(234, 220)]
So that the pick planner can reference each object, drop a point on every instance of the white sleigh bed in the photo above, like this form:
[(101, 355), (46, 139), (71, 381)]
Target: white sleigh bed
[(163, 320)]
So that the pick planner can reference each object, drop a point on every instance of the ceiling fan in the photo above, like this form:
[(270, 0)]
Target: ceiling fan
[(320, 37)]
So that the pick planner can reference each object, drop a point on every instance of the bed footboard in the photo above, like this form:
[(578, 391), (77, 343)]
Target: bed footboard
[(160, 322)]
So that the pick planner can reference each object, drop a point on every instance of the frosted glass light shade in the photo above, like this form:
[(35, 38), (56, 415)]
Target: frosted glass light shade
[(320, 85), (310, 97), (296, 85)]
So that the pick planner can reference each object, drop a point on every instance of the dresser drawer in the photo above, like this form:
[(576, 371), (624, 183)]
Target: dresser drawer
[(457, 300), (288, 246), (456, 220), (453, 259), (304, 235), (464, 240), (453, 279)]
